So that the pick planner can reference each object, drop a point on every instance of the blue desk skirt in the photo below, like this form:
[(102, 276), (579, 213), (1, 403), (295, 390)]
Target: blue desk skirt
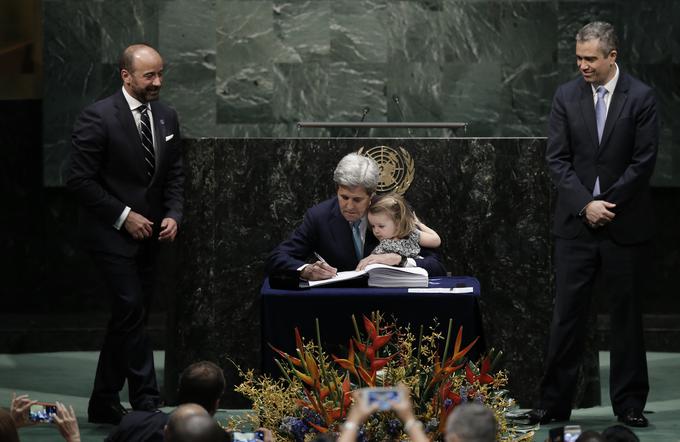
[(283, 310)]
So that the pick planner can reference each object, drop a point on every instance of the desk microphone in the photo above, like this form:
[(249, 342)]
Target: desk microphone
[(363, 117), (395, 98)]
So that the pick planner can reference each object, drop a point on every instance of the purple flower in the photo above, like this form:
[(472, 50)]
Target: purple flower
[(312, 416), (393, 427), (432, 426), (295, 427)]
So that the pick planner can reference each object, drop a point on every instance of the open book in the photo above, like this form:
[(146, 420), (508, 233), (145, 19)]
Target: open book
[(379, 275)]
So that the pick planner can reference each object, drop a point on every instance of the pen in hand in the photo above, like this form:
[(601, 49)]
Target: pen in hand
[(324, 265)]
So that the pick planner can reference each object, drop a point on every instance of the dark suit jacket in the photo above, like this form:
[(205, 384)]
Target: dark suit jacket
[(324, 230), (624, 160), (140, 426), (107, 172)]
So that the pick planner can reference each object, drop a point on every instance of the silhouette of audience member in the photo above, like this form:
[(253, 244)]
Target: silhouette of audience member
[(201, 383), (8, 428), (471, 422), (192, 423), (590, 436), (619, 433)]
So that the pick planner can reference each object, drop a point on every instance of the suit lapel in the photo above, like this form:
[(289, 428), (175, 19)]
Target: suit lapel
[(588, 112), (127, 123), (159, 136), (615, 107), (341, 231)]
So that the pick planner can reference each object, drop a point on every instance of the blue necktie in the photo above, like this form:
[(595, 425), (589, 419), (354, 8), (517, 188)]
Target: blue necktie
[(600, 111), (356, 235), (600, 118)]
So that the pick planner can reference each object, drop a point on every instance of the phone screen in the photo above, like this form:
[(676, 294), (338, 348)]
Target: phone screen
[(384, 397), (257, 436), (571, 433), (42, 412)]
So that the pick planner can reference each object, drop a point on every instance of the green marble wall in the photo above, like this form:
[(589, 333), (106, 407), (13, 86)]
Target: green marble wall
[(253, 68)]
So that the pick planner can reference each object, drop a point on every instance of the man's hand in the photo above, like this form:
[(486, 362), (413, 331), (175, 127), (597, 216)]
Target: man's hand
[(66, 422), (390, 259), (19, 410), (318, 270), (138, 226), (598, 214), (168, 230)]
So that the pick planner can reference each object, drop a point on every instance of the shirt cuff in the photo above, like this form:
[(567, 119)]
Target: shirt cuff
[(410, 262), (121, 219)]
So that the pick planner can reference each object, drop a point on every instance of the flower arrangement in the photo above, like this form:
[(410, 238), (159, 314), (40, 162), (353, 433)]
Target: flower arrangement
[(314, 394)]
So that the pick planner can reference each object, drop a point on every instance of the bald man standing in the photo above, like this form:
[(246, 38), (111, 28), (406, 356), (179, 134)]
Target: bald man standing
[(126, 174)]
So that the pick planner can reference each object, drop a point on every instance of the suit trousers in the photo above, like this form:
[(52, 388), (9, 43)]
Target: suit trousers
[(127, 353), (623, 269)]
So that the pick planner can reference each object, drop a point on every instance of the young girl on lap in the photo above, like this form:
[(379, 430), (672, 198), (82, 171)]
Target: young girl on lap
[(397, 228)]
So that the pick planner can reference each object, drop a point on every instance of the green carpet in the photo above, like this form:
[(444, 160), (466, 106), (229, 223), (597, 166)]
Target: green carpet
[(67, 377)]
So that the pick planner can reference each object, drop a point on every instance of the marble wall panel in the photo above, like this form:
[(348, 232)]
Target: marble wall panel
[(466, 99), (352, 87), (655, 18), (301, 92), (529, 88), (528, 32), (675, 38), (253, 68), (188, 45), (127, 21), (304, 29), (414, 34), (71, 40), (359, 37), (470, 31), (414, 92)]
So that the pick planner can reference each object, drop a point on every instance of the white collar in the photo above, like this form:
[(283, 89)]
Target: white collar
[(611, 84), (132, 101)]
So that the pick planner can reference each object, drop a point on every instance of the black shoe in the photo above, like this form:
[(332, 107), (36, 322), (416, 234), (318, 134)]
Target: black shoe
[(542, 416), (633, 418), (105, 413)]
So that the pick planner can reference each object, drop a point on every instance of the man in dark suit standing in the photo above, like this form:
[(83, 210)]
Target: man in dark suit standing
[(602, 147), (126, 173), (337, 230)]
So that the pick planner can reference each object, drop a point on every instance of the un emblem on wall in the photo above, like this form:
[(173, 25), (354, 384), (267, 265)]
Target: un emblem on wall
[(396, 168)]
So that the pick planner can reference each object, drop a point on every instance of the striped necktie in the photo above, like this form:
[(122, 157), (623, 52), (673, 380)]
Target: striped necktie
[(147, 140)]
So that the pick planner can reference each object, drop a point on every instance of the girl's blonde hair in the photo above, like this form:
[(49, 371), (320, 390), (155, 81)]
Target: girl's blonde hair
[(396, 207)]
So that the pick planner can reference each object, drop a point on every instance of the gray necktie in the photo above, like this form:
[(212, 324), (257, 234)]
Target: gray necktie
[(600, 111), (600, 118), (356, 235)]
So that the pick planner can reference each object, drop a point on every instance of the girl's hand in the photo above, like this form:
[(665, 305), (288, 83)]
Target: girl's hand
[(390, 259)]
